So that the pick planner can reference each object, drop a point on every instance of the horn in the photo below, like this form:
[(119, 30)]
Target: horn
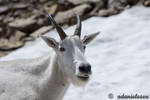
[(60, 31), (78, 27)]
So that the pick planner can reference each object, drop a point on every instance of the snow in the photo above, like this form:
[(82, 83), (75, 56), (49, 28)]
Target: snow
[(120, 55)]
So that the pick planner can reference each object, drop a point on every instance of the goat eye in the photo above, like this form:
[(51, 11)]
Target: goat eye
[(62, 49), (84, 47)]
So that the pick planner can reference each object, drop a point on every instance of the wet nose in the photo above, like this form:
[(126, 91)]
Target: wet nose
[(85, 68)]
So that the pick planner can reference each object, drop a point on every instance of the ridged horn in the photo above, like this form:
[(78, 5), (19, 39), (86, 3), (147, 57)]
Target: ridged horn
[(78, 27), (60, 31)]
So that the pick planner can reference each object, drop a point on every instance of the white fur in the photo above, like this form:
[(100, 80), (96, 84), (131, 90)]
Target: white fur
[(42, 78)]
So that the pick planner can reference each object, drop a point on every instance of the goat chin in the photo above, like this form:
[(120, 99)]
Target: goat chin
[(78, 82)]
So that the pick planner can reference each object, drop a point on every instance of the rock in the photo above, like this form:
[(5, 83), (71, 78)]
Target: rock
[(107, 12), (8, 19), (62, 1), (48, 4), (27, 39), (63, 17), (53, 9), (65, 26), (98, 6), (132, 2), (19, 6), (4, 53), (4, 9), (1, 30), (103, 13), (26, 25), (77, 2), (40, 21), (43, 1), (9, 32), (147, 3), (2, 2), (17, 36), (117, 4), (13, 42), (41, 31), (6, 45), (2, 18), (121, 4)]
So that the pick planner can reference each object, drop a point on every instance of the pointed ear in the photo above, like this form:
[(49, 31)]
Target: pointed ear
[(87, 39), (50, 42)]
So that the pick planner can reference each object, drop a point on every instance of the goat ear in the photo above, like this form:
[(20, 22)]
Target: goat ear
[(87, 39), (50, 42)]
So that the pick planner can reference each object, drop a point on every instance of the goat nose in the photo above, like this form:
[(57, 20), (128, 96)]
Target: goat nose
[(85, 68)]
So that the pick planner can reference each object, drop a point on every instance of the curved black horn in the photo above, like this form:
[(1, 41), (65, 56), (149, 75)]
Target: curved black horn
[(60, 31), (78, 27)]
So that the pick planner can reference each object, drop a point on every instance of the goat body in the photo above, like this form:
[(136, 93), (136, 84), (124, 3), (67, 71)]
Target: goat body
[(45, 79), (33, 79)]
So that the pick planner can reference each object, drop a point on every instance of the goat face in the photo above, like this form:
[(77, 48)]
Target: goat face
[(70, 52), (71, 58)]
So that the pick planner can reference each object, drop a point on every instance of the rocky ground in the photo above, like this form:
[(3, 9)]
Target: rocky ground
[(22, 20)]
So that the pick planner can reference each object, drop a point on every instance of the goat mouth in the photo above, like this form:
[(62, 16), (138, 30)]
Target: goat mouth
[(83, 78)]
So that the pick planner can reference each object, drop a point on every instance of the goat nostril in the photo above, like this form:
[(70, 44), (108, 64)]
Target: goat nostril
[(81, 68), (89, 68)]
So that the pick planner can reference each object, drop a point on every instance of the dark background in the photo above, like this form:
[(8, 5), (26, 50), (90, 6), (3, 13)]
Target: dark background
[(22, 20)]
